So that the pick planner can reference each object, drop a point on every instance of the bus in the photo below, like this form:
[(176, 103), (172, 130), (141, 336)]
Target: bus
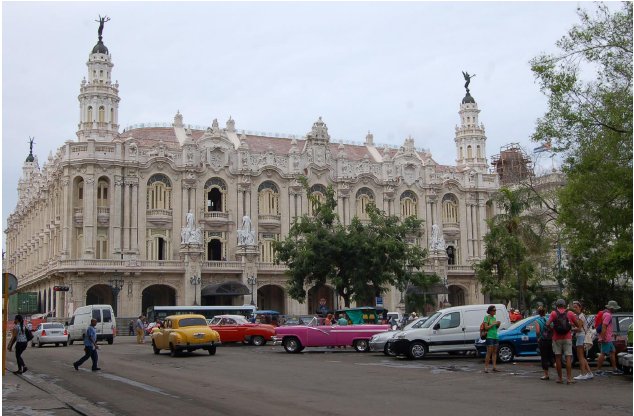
[(161, 312)]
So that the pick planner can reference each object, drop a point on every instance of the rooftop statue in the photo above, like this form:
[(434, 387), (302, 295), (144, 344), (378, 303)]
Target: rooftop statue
[(467, 78), (101, 21)]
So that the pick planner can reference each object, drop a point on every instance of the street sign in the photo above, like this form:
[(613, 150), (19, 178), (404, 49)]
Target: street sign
[(13, 283), (60, 288), (379, 301)]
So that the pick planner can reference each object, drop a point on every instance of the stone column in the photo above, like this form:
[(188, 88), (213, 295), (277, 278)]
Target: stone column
[(115, 216), (134, 226), (192, 257), (126, 215), (67, 218), (89, 217)]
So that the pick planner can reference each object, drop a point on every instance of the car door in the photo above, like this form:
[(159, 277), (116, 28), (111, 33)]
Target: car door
[(96, 314), (230, 330), (448, 334), (527, 335)]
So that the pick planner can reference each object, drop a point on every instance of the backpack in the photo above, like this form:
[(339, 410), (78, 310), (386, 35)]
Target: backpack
[(598, 322), (28, 334), (561, 323), (483, 332), (545, 330)]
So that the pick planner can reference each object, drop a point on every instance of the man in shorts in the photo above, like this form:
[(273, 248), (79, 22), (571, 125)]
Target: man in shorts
[(562, 343), (605, 338)]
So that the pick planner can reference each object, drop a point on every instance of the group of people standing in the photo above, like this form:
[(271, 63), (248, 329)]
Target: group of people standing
[(554, 336)]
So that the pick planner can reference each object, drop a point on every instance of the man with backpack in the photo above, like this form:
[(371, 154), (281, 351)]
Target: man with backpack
[(604, 333), (562, 321)]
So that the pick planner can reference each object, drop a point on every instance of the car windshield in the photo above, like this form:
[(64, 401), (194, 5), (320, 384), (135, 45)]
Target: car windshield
[(520, 323), (192, 322), (430, 321), (417, 323), (53, 326)]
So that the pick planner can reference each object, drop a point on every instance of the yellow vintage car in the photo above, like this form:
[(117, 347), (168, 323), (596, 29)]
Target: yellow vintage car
[(185, 333)]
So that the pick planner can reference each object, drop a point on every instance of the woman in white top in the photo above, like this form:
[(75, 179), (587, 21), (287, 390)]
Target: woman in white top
[(580, 334), (18, 337)]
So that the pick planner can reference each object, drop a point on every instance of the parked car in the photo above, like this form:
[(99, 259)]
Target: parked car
[(520, 339), (378, 342), (235, 328), (452, 330), (621, 321), (50, 333), (296, 337), (188, 332)]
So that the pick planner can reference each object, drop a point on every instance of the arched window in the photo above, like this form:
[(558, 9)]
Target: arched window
[(469, 152), (478, 152), (449, 209), (461, 153), (364, 197), (268, 199), (409, 206), (159, 192), (451, 255), (112, 115), (102, 114), (89, 115), (216, 189), (319, 192), (267, 254), (102, 193)]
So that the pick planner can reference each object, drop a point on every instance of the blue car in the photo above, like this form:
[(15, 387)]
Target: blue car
[(519, 339)]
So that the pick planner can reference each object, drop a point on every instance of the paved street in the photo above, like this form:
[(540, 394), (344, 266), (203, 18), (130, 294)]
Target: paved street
[(266, 380)]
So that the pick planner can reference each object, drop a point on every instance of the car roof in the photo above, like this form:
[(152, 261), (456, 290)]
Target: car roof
[(186, 315), (230, 316)]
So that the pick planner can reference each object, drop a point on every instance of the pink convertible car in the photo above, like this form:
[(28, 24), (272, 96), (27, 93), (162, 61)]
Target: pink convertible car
[(295, 338)]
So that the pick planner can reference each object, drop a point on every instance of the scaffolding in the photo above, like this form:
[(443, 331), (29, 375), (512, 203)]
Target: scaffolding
[(512, 164)]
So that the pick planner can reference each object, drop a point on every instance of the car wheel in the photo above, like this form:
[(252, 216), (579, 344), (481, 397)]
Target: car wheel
[(64, 344), (70, 340), (173, 351), (258, 340), (39, 343), (505, 353), (292, 345), (212, 350), (387, 351), (416, 350), (57, 344), (362, 345), (110, 340), (156, 350)]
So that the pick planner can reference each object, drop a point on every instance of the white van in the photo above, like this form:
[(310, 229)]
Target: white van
[(106, 323), (449, 330)]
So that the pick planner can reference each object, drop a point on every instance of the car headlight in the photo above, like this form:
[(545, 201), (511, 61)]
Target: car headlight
[(399, 336)]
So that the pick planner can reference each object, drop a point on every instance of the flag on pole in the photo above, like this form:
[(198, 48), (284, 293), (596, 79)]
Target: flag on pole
[(546, 147)]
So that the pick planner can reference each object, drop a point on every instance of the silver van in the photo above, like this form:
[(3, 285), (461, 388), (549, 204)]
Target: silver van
[(449, 330), (106, 323)]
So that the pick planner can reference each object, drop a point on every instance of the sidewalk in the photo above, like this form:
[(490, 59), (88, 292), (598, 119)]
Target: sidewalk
[(31, 394)]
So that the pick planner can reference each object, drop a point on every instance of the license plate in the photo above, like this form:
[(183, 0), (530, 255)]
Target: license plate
[(55, 332), (199, 336)]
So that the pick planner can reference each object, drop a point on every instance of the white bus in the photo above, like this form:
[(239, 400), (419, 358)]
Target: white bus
[(209, 312)]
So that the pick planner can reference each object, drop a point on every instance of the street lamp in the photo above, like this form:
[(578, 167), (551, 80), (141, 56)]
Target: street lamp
[(252, 281), (116, 284), (195, 281)]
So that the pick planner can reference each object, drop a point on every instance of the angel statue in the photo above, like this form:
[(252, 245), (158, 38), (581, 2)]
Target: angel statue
[(467, 78)]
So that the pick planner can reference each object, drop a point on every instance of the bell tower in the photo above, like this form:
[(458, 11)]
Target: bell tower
[(98, 96), (470, 138)]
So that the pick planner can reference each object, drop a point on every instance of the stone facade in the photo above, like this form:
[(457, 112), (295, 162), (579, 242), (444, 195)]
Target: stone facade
[(115, 205)]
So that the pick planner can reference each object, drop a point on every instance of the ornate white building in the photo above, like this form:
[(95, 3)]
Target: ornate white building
[(182, 216)]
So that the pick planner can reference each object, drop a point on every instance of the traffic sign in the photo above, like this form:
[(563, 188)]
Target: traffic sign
[(12, 283)]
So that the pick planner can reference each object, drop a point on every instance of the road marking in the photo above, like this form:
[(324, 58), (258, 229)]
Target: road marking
[(137, 384)]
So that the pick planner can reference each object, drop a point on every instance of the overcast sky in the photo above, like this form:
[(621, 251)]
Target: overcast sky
[(394, 69)]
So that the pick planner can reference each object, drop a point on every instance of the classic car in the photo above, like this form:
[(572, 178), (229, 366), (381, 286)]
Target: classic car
[(185, 333), (295, 338), (235, 328)]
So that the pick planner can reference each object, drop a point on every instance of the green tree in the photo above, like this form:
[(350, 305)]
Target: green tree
[(516, 242), (361, 261), (589, 119)]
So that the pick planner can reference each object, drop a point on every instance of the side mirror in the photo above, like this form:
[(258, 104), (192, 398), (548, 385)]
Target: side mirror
[(437, 326)]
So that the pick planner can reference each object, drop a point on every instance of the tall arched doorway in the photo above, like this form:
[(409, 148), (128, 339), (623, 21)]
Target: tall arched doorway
[(214, 250), (271, 297), (100, 295), (456, 295), (157, 295), (321, 292)]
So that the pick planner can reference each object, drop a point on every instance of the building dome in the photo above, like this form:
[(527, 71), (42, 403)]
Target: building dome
[(468, 99), (100, 48)]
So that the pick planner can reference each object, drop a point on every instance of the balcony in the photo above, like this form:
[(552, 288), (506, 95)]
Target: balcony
[(465, 270), (103, 216), (216, 218), (78, 217), (159, 217), (269, 220)]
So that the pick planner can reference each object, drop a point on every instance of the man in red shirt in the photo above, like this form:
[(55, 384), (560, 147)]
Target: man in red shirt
[(562, 341)]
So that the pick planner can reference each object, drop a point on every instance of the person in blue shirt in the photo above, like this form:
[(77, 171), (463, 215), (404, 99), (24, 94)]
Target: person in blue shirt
[(90, 347)]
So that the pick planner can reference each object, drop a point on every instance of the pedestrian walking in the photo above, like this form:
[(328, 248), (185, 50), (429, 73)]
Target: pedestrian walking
[(605, 338), (140, 330), (580, 336), (544, 341), (491, 325), (131, 327), (90, 347), (18, 337), (562, 321)]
